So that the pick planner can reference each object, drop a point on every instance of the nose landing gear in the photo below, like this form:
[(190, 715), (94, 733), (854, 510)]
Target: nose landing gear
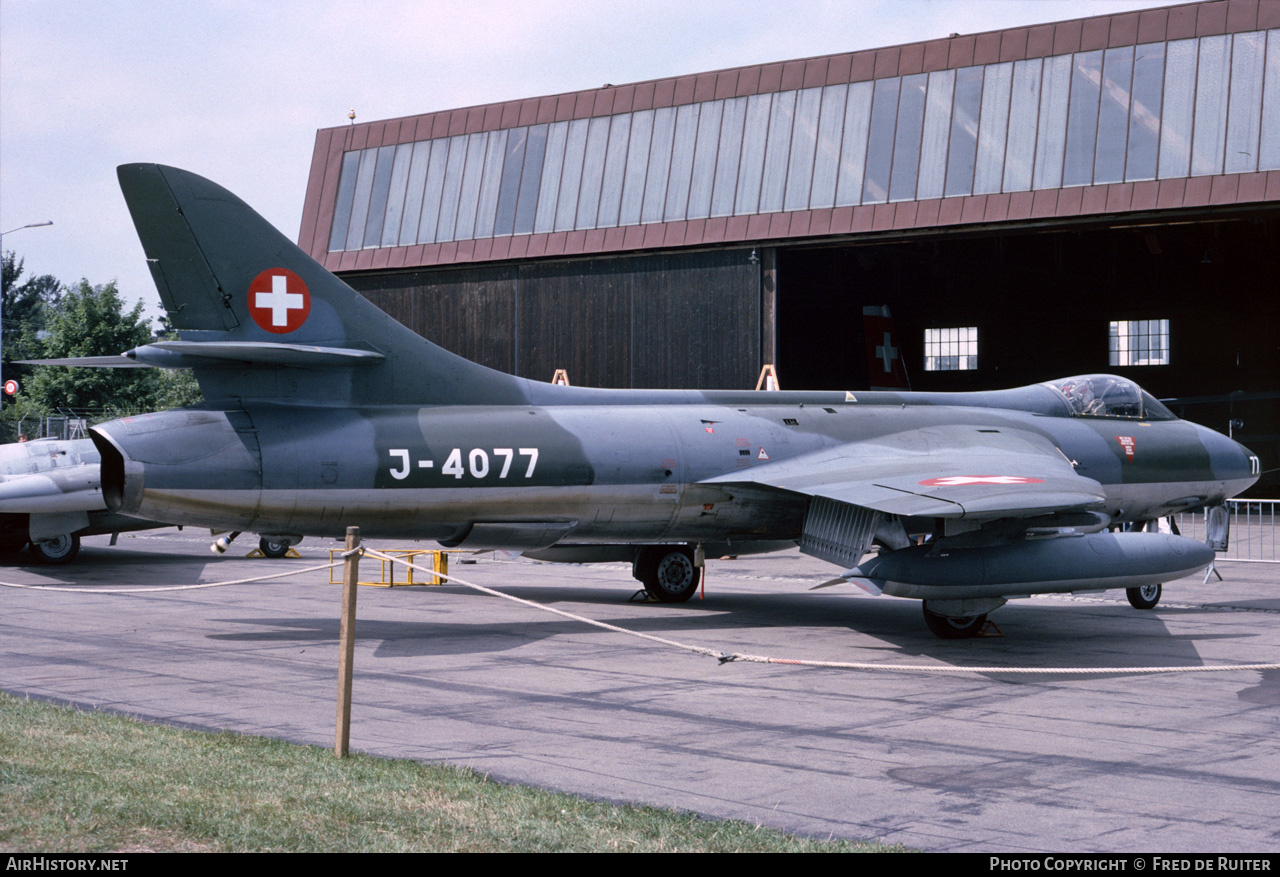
[(1145, 597)]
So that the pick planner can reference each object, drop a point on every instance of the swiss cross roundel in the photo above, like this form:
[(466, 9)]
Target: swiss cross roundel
[(279, 301)]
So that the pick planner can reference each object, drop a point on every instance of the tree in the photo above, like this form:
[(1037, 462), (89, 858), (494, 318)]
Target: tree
[(176, 388), (43, 319), (91, 321), (25, 307)]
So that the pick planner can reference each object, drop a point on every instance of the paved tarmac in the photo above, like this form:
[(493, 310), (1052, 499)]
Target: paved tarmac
[(957, 762)]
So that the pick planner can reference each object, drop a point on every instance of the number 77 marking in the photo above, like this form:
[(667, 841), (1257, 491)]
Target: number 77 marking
[(532, 454)]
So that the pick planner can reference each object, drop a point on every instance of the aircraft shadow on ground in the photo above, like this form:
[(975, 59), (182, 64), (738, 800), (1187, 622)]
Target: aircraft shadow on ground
[(114, 567), (1040, 635), (1037, 633), (1265, 693)]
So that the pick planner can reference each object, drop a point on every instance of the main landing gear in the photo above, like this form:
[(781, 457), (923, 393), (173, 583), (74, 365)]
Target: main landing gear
[(667, 572), (952, 627), (274, 546), (960, 619)]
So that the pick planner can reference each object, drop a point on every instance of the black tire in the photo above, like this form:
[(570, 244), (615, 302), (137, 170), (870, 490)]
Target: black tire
[(1146, 597), (274, 547), (56, 552), (668, 573), (952, 627)]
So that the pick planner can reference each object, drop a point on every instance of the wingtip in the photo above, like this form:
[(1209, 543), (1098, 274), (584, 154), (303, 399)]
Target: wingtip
[(133, 168)]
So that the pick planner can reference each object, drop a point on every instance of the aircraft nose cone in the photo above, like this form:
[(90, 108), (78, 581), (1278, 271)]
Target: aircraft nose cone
[(1230, 461)]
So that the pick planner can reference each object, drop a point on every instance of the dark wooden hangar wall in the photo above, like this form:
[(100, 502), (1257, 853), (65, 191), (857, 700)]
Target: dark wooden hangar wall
[(1042, 301), (689, 320)]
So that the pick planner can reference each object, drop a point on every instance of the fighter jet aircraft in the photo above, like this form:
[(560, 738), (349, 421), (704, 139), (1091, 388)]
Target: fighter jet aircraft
[(323, 412), (50, 496)]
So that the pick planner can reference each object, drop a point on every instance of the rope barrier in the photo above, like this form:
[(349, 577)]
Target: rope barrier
[(722, 657), (697, 650), (736, 657), (65, 589)]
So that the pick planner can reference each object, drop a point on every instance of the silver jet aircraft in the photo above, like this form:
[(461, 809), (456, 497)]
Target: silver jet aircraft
[(50, 496), (323, 412)]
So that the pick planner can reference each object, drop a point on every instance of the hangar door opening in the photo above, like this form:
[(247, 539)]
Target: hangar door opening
[(1044, 304), (1186, 308)]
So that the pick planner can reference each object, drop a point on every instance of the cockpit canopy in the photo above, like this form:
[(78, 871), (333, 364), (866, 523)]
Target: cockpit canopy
[(1108, 396)]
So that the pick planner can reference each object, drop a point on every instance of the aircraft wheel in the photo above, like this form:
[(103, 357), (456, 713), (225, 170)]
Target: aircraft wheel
[(1145, 597), (273, 546), (952, 627), (668, 573), (56, 552)]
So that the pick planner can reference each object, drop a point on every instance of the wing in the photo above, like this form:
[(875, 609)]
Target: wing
[(943, 471), (115, 361), (194, 354)]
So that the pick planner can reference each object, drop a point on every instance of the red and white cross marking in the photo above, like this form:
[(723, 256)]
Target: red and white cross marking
[(963, 480), (279, 300)]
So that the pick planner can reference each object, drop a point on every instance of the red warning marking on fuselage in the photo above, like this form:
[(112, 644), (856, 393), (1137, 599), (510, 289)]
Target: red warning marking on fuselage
[(279, 300), (963, 480), (762, 455), (1129, 443)]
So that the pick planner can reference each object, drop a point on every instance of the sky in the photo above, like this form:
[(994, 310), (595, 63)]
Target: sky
[(235, 90)]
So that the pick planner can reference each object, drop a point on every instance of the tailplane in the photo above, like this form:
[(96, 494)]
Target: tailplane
[(260, 319)]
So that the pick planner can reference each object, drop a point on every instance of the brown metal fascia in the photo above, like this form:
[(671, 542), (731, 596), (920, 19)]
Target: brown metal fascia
[(322, 191), (311, 216)]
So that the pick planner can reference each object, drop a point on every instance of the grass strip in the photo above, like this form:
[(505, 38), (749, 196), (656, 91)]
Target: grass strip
[(80, 781)]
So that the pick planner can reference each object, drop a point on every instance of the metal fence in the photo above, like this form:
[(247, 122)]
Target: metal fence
[(60, 426), (1253, 529), (69, 423)]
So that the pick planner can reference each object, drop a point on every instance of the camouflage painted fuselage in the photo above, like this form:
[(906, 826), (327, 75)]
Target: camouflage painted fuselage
[(596, 469)]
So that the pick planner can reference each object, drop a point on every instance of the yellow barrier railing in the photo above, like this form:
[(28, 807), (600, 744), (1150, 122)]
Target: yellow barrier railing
[(387, 569)]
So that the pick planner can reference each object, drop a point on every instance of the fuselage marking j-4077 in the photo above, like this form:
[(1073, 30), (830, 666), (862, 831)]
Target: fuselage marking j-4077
[(477, 462)]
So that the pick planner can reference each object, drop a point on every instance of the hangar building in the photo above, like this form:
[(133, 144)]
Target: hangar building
[(1094, 195)]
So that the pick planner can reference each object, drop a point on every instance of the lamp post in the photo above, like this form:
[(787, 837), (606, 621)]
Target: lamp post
[(28, 225), (2, 234)]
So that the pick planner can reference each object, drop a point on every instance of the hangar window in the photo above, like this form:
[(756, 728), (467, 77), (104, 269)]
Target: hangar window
[(1139, 342), (1198, 106), (951, 349)]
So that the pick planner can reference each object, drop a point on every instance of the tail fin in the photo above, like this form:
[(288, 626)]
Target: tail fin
[(260, 319)]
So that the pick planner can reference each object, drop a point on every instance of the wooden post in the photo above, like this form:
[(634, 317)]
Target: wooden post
[(347, 644), (769, 304)]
